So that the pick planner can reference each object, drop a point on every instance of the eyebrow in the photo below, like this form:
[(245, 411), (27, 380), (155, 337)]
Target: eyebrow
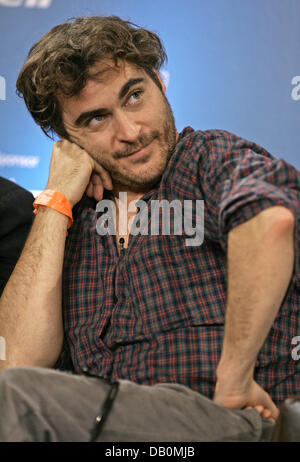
[(90, 114)]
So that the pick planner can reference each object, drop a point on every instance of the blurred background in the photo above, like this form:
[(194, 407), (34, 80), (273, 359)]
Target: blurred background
[(232, 64)]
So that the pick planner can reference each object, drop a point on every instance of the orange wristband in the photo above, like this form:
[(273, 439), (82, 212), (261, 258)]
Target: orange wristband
[(55, 200)]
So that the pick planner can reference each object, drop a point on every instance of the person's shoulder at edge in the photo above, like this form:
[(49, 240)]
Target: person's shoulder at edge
[(16, 217), (9, 188)]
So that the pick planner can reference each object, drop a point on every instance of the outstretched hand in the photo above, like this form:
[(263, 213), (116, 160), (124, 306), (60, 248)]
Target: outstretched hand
[(246, 397)]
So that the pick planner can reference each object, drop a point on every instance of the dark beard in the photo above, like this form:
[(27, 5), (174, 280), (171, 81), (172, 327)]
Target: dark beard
[(167, 136)]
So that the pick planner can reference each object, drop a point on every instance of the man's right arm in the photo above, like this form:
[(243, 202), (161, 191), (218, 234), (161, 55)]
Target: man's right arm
[(30, 306)]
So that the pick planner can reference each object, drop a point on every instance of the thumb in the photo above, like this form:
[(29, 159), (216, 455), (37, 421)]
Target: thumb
[(269, 404)]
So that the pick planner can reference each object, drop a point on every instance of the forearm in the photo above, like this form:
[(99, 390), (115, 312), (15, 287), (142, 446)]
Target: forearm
[(260, 266), (30, 306)]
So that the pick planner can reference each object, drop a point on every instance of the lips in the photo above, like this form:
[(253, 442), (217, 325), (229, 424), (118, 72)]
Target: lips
[(139, 153)]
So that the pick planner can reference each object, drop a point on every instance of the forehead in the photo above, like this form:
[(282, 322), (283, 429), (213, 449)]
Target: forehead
[(102, 88)]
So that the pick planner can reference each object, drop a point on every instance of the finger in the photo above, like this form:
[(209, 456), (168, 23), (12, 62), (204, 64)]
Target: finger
[(266, 414), (98, 191), (269, 404), (95, 179), (98, 186), (104, 175), (89, 189), (106, 179), (275, 414), (259, 408)]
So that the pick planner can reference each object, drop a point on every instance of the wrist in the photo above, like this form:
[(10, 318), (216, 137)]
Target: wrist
[(235, 370), (60, 190), (47, 211), (55, 200)]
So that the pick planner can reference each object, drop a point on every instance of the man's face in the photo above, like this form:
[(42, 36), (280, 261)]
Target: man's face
[(123, 120)]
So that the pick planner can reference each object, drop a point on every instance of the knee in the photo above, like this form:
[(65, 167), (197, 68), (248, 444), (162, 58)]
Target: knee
[(16, 403), (12, 380)]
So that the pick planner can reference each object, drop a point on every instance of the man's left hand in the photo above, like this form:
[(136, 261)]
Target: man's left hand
[(251, 396)]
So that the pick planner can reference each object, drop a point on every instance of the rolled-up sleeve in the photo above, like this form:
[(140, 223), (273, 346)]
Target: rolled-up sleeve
[(239, 180)]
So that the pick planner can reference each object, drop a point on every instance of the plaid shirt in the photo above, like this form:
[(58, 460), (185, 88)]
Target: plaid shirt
[(156, 313)]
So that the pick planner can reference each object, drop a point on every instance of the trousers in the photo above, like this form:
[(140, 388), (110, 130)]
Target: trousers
[(40, 404)]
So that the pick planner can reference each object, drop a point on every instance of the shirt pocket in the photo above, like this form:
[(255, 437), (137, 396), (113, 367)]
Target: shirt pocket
[(174, 285)]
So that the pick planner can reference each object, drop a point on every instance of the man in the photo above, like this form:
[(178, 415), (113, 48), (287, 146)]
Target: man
[(150, 311), (15, 222)]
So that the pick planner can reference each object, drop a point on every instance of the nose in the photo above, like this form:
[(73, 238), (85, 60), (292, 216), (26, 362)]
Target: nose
[(126, 129)]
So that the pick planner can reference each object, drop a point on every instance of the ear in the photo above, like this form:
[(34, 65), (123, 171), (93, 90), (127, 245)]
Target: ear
[(160, 79)]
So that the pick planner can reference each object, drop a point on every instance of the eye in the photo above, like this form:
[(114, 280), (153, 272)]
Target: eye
[(135, 96), (96, 120)]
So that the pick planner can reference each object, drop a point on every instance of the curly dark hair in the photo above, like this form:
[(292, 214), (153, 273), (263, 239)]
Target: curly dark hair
[(59, 62)]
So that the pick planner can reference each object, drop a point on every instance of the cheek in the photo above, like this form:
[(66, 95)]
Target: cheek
[(93, 145), (78, 140), (99, 152)]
